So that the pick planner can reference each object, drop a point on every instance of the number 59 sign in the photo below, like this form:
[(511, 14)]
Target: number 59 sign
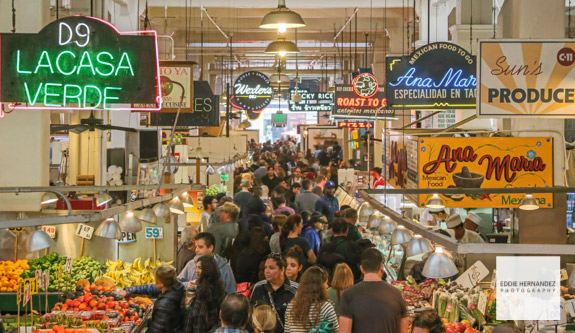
[(154, 233)]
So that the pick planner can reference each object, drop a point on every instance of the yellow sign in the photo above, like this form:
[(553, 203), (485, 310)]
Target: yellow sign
[(33, 282), (193, 213), (17, 229), (486, 163), (531, 78)]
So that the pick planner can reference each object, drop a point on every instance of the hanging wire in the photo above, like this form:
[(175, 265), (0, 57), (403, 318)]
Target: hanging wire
[(14, 16), (568, 23), (494, 8), (471, 29), (403, 27), (186, 28)]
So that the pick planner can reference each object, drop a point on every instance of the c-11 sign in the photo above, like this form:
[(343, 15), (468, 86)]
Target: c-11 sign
[(79, 62)]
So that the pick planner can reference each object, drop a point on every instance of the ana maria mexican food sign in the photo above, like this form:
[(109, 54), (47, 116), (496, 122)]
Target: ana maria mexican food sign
[(485, 163), (79, 62)]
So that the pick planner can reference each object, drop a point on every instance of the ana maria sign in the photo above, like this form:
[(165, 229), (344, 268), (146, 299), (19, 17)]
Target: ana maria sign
[(435, 76), (79, 63)]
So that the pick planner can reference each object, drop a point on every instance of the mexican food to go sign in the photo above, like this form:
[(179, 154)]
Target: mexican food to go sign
[(79, 62), (533, 78), (486, 163)]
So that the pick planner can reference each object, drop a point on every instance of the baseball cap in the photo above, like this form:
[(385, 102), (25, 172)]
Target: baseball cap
[(473, 218), (453, 221), (329, 183)]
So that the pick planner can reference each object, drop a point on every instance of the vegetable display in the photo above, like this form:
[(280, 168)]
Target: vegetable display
[(10, 274)]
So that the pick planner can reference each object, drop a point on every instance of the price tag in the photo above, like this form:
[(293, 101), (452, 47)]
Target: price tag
[(50, 230), (84, 231), (570, 304), (39, 277), (26, 294), (564, 275), (154, 233), (19, 294), (68, 264), (493, 280), (46, 279), (472, 276), (18, 229), (562, 315), (32, 285), (482, 303)]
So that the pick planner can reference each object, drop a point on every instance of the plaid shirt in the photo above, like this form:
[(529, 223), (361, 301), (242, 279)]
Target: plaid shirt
[(230, 330)]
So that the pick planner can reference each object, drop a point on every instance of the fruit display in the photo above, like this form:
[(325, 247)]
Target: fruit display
[(133, 274), (10, 272), (61, 329), (417, 295), (213, 190), (82, 268), (455, 303), (463, 326)]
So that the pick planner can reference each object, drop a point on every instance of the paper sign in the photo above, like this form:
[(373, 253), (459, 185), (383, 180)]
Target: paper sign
[(564, 275), (570, 304), (50, 230), (39, 277), (493, 280), (127, 237), (32, 285), (482, 304), (84, 231), (154, 233), (471, 277), (68, 264), (46, 279), (563, 316), (26, 294)]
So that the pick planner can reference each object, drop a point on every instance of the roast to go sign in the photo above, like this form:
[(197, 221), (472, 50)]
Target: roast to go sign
[(486, 163), (348, 103), (435, 76), (532, 78), (154, 233), (79, 63)]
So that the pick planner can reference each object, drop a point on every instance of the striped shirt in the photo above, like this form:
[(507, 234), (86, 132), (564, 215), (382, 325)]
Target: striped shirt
[(326, 313)]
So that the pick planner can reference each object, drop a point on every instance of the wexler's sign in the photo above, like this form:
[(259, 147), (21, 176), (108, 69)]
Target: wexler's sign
[(435, 76), (79, 63), (252, 92)]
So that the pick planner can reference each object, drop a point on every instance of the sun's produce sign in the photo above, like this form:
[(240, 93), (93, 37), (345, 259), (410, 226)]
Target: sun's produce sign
[(486, 163), (79, 62), (526, 78), (435, 76)]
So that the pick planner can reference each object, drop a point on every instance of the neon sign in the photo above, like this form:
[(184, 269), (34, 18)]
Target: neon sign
[(435, 76), (348, 103), (365, 85), (80, 63), (354, 124)]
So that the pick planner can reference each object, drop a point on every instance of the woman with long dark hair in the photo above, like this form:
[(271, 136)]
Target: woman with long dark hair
[(311, 305), (246, 265), (203, 314), (289, 237)]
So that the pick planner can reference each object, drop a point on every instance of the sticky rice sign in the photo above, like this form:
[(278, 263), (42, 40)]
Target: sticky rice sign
[(533, 78), (485, 163)]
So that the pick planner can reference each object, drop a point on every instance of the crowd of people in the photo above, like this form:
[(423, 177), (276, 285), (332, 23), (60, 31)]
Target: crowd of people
[(281, 255)]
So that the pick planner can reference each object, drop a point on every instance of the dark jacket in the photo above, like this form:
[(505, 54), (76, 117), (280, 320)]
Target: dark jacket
[(167, 313), (281, 298)]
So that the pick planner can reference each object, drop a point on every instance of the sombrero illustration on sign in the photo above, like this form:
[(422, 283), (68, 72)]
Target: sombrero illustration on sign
[(252, 92)]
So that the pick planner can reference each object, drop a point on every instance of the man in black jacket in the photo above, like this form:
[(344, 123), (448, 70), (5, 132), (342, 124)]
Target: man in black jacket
[(167, 313)]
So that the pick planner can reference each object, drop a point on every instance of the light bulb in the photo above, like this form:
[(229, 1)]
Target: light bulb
[(282, 27), (282, 53)]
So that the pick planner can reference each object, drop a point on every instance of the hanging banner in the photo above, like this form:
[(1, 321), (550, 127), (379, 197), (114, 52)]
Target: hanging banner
[(488, 163), (436, 76), (531, 78), (316, 101), (206, 108), (182, 73), (80, 62), (252, 92), (348, 103)]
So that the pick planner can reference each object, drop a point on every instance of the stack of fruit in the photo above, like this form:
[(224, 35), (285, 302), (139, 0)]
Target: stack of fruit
[(213, 190), (417, 295), (133, 274), (460, 327), (10, 272)]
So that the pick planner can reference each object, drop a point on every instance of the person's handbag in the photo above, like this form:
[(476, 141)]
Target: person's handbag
[(323, 327), (245, 288)]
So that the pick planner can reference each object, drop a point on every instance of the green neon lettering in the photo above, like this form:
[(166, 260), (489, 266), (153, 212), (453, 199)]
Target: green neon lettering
[(47, 64), (106, 97), (86, 55), (18, 70), (48, 94), (60, 68), (30, 101), (105, 63), (86, 95), (68, 96), (129, 66)]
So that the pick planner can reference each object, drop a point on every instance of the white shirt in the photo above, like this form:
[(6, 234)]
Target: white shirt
[(204, 219), (468, 237)]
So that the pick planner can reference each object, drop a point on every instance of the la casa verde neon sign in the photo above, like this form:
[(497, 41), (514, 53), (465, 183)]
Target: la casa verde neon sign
[(80, 62)]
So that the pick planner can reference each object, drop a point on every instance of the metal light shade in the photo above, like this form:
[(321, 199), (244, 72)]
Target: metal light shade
[(39, 240), (210, 169), (435, 202), (282, 46), (130, 223), (418, 245), (529, 203), (48, 198), (102, 199), (364, 213), (162, 210), (387, 226), (147, 215), (109, 228), (374, 219), (7, 239), (278, 79), (401, 236), (439, 265), (187, 200), (176, 206), (282, 18)]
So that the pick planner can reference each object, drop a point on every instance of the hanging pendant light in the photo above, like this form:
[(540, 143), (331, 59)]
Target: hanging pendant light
[(49, 198), (387, 227), (418, 245), (529, 203), (282, 46), (109, 228), (279, 79), (401, 236), (439, 265), (187, 200), (435, 202), (282, 18), (102, 199), (365, 212), (210, 169), (176, 206), (147, 215), (162, 210), (130, 223), (39, 240)]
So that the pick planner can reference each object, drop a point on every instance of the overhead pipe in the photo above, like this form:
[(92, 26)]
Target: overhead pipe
[(214, 22), (346, 23)]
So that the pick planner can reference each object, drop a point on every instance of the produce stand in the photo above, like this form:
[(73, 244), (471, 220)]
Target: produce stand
[(8, 302)]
